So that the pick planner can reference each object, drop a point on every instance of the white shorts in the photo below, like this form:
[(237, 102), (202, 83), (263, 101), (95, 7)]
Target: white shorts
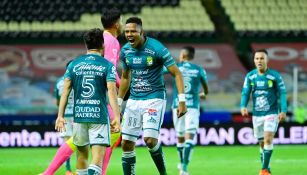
[(68, 127), (189, 123), (91, 133), (268, 123), (143, 114)]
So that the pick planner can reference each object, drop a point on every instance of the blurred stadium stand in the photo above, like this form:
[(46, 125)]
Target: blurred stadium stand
[(265, 18), (46, 18), (225, 32)]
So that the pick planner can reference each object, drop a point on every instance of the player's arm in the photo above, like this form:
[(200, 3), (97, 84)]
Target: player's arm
[(173, 69), (245, 96), (60, 121), (56, 94), (124, 85), (281, 88), (204, 84), (112, 94), (125, 78)]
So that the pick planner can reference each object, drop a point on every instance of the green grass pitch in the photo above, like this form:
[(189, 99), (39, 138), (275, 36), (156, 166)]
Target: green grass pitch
[(206, 160)]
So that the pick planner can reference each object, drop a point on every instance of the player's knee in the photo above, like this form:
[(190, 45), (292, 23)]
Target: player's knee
[(268, 141), (127, 145), (150, 142)]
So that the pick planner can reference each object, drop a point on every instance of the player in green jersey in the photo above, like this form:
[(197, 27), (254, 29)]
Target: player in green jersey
[(143, 60), (91, 77), (186, 127), (269, 104)]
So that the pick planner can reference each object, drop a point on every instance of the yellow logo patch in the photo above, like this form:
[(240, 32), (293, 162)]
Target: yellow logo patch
[(149, 61)]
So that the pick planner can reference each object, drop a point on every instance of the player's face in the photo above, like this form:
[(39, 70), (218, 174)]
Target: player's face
[(261, 61), (134, 34)]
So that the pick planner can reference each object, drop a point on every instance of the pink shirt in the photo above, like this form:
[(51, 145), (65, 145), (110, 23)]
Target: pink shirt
[(111, 51), (111, 48)]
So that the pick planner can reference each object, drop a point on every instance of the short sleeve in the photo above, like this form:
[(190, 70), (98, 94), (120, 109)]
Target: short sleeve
[(111, 75)]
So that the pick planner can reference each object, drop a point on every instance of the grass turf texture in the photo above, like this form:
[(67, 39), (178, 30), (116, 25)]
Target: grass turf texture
[(209, 160)]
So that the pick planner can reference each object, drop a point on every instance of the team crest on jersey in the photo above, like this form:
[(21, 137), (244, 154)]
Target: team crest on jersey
[(149, 61), (270, 83)]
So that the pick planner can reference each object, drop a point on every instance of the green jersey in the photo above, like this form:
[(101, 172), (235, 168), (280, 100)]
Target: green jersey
[(57, 92), (193, 77), (266, 89), (146, 66), (89, 75)]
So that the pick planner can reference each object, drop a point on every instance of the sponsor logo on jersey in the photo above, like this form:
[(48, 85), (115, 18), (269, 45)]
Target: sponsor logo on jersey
[(87, 67), (137, 60), (152, 112), (260, 83), (149, 51)]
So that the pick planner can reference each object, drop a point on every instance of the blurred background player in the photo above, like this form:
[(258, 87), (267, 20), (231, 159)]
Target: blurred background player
[(91, 120), (68, 115), (266, 86), (111, 21), (143, 59), (186, 127)]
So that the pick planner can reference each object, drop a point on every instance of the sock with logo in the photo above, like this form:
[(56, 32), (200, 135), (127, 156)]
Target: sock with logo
[(158, 157), (128, 162)]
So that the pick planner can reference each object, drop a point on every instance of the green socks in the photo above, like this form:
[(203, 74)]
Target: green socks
[(128, 163), (157, 156)]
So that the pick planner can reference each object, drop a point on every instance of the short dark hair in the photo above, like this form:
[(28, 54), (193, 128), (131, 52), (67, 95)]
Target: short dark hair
[(261, 50), (135, 20), (190, 50), (93, 39), (109, 17)]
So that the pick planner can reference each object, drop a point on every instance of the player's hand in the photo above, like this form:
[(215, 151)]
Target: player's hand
[(60, 124), (181, 110), (115, 126), (202, 95), (282, 117), (244, 112)]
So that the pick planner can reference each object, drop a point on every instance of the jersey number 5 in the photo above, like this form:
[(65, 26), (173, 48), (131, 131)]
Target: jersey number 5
[(87, 85)]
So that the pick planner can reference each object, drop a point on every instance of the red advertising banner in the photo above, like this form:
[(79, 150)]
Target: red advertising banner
[(28, 74), (282, 56), (224, 71)]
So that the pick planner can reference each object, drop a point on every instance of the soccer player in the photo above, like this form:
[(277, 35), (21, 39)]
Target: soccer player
[(186, 127), (269, 104), (91, 77), (143, 59), (111, 21), (68, 116)]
